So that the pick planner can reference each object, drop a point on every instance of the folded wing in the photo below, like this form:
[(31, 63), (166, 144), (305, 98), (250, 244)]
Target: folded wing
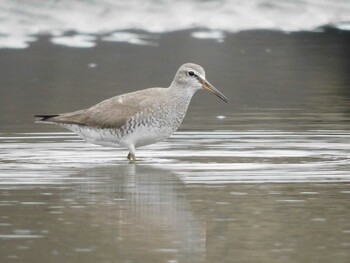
[(111, 113)]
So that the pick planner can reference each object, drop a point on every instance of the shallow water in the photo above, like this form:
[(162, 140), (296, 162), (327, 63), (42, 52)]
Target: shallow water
[(264, 178), (212, 157), (220, 196)]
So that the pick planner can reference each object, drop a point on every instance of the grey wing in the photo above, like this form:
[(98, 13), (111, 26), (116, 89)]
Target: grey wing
[(113, 112)]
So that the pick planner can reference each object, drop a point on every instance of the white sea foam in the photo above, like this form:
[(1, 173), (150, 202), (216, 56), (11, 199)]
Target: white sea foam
[(132, 38), (75, 41), (20, 21)]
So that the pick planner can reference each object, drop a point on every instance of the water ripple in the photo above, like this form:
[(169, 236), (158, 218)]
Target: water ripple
[(196, 157)]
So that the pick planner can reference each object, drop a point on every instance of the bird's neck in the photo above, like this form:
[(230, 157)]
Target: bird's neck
[(180, 97), (182, 93)]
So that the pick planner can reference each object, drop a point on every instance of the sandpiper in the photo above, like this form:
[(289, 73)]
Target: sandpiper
[(138, 118)]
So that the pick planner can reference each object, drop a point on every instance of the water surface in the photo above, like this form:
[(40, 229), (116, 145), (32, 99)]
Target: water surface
[(266, 196), (264, 178)]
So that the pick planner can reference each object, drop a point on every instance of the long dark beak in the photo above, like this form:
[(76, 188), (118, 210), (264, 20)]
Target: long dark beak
[(206, 85)]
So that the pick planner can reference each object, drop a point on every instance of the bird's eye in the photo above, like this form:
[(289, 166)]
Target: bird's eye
[(191, 73)]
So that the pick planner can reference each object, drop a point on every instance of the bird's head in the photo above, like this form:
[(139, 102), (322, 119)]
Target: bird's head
[(192, 77)]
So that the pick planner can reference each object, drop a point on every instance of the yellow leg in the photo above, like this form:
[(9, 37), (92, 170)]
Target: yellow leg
[(131, 157)]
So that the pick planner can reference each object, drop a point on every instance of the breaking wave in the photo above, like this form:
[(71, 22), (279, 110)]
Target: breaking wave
[(80, 23)]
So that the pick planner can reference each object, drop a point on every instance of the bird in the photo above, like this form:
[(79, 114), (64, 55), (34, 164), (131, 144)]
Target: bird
[(137, 118)]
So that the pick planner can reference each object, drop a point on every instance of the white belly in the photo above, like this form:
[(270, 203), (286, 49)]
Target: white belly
[(110, 137), (146, 135), (105, 137)]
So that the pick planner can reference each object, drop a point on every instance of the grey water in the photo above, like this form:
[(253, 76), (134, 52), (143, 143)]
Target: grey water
[(264, 178), (201, 196)]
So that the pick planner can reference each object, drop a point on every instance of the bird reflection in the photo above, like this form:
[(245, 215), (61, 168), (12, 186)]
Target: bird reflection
[(143, 210)]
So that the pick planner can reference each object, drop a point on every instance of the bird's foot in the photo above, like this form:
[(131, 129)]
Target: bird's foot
[(131, 157)]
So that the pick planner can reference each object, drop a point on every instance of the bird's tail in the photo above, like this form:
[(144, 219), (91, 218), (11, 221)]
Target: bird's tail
[(45, 118)]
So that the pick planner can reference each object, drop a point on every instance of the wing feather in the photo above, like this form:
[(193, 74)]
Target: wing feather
[(113, 112)]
